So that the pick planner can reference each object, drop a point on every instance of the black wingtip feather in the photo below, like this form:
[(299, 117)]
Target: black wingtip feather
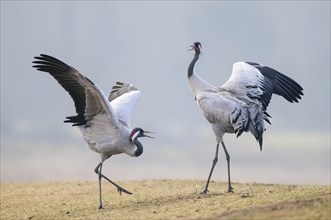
[(291, 90), (76, 120), (63, 74), (278, 83)]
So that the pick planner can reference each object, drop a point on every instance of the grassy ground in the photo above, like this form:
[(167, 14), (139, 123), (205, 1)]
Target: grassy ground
[(163, 199)]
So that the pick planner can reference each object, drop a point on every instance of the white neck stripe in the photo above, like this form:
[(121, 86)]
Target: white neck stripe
[(134, 136)]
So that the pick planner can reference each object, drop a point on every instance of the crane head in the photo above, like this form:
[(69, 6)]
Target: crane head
[(135, 134), (196, 46), (139, 132)]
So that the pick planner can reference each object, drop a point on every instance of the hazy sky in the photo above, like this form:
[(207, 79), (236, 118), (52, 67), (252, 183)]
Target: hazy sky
[(145, 43)]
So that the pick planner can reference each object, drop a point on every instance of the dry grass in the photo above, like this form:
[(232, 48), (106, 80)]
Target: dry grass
[(163, 199)]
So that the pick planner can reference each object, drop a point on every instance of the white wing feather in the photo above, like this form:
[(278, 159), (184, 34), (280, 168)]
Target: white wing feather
[(124, 104), (245, 81)]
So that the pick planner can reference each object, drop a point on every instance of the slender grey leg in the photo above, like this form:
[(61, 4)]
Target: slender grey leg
[(119, 188), (98, 171), (212, 169), (230, 189)]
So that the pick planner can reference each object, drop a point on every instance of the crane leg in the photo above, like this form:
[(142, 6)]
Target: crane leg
[(205, 191), (230, 189), (97, 170)]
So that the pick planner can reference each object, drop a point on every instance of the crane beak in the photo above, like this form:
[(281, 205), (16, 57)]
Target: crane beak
[(148, 132), (192, 48)]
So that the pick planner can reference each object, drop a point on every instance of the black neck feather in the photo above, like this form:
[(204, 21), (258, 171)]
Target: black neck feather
[(139, 146), (191, 66)]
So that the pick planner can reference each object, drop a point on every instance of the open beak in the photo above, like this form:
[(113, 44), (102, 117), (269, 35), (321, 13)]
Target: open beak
[(148, 132), (192, 48)]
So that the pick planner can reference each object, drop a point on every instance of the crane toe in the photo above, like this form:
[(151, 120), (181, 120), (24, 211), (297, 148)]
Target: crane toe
[(205, 191), (230, 190)]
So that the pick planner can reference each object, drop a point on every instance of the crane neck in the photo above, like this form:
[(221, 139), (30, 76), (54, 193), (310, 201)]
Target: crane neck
[(191, 66), (196, 82), (139, 146)]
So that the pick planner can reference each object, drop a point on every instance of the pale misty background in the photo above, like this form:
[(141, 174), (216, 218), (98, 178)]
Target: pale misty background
[(145, 43)]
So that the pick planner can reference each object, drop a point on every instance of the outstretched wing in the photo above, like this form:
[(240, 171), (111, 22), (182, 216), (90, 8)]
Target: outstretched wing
[(260, 82), (123, 97), (119, 89), (89, 100)]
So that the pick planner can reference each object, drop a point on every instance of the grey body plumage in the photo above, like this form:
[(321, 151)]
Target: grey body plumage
[(240, 104), (104, 123)]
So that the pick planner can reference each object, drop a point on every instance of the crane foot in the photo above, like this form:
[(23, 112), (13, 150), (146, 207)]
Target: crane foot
[(120, 190), (205, 191), (230, 190)]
